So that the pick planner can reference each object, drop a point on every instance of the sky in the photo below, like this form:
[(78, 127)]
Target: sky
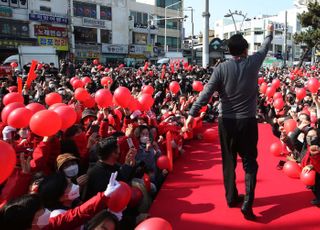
[(218, 8)]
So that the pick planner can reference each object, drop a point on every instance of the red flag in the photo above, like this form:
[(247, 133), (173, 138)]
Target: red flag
[(32, 75), (19, 81)]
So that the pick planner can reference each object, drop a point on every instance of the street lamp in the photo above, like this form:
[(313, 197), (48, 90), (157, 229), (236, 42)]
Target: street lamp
[(165, 24), (231, 14), (189, 8)]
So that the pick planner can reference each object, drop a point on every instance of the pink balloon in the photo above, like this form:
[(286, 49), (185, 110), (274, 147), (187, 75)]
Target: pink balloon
[(73, 79), (19, 118), (290, 125), (86, 80), (277, 95), (12, 97), (53, 98), (35, 107), (106, 81)]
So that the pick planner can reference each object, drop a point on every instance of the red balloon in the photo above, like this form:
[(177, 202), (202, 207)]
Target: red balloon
[(7, 160), (151, 73), (263, 88), (53, 98), (148, 89), (136, 197), (313, 67), (8, 109), (309, 178), (134, 105), (89, 103), (313, 85), (292, 169), (277, 95), (290, 125), (210, 134), (270, 91), (146, 101), (86, 80), (174, 87), (163, 162), (14, 65), (197, 86), (12, 97), (300, 93), (45, 123), (103, 98), (120, 198), (154, 223), (106, 81), (260, 80), (122, 96), (56, 105), (35, 107), (95, 61), (276, 83), (278, 103), (73, 79), (68, 116), (77, 83), (81, 94), (276, 148), (19, 118), (118, 114)]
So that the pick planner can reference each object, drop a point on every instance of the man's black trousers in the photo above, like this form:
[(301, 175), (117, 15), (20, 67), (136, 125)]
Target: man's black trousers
[(239, 136)]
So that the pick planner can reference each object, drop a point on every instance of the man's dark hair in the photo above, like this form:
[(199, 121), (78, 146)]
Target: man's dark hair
[(106, 147), (237, 45), (18, 214), (99, 218)]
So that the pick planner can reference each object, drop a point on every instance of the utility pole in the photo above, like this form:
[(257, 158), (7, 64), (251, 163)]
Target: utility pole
[(205, 43), (192, 34), (285, 56)]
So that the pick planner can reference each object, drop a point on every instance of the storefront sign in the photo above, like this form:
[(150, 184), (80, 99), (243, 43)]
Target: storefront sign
[(114, 49), (52, 31), (48, 18), (60, 44), (87, 51), (93, 22), (13, 28), (5, 12), (15, 43), (137, 49)]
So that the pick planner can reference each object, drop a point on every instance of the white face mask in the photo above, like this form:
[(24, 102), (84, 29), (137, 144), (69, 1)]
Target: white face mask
[(43, 220), (71, 171), (144, 139), (73, 193)]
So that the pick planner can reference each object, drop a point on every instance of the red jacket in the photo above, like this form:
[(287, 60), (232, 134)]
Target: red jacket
[(78, 216), (314, 160), (104, 128)]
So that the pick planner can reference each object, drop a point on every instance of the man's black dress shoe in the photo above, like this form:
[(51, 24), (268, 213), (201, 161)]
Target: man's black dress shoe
[(248, 213), (235, 203)]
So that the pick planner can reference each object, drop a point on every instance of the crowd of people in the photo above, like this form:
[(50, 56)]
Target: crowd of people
[(66, 180)]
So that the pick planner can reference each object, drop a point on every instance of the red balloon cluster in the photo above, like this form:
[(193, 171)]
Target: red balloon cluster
[(86, 80), (277, 95), (270, 91), (163, 162), (263, 88), (276, 83), (260, 80), (81, 94), (56, 105), (53, 98), (146, 101), (19, 118), (8, 109), (120, 198), (68, 116), (197, 86), (7, 160), (174, 87), (77, 83), (35, 107), (12, 97), (103, 98)]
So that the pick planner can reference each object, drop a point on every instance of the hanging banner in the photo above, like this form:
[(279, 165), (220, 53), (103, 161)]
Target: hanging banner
[(60, 44), (52, 31)]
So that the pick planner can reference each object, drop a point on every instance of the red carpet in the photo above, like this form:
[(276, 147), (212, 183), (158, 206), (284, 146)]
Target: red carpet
[(193, 195)]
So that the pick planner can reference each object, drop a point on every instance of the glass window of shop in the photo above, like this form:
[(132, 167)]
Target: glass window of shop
[(14, 28), (105, 13), (164, 3), (172, 42), (106, 36), (171, 24), (85, 35), (140, 39), (81, 9), (140, 19)]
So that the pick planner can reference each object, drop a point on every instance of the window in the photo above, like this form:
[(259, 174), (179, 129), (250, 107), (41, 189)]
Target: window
[(105, 13), (258, 31), (140, 39), (225, 36), (247, 32), (106, 36), (172, 42), (44, 8), (164, 3), (85, 35), (256, 46), (278, 32), (81, 9), (140, 19)]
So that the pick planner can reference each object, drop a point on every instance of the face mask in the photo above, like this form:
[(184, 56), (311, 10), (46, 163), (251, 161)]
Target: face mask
[(144, 139), (312, 140), (73, 193), (71, 171), (43, 220)]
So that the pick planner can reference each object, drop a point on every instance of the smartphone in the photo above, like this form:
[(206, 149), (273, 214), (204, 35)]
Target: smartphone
[(130, 143)]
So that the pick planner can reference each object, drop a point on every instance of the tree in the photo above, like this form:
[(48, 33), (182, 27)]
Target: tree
[(310, 20)]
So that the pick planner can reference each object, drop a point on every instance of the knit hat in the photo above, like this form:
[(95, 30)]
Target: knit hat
[(87, 113), (63, 158)]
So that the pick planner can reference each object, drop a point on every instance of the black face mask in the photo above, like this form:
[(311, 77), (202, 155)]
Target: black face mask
[(314, 140)]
